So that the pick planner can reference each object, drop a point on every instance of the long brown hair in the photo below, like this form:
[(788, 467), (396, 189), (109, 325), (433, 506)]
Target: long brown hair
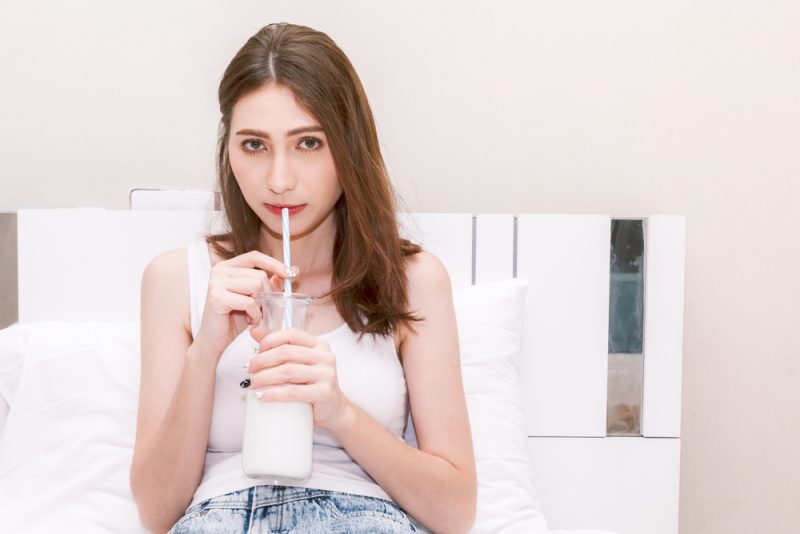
[(369, 280)]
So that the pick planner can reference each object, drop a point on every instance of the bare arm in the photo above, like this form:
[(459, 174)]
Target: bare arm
[(175, 402), (437, 482)]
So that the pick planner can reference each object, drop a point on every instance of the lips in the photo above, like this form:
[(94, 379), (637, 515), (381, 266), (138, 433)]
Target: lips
[(275, 209)]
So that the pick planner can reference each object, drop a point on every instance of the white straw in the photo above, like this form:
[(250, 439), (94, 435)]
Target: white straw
[(287, 262)]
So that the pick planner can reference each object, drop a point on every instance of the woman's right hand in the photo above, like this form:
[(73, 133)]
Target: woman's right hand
[(233, 289)]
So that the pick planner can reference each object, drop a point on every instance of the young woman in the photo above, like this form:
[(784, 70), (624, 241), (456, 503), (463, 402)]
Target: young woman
[(379, 339)]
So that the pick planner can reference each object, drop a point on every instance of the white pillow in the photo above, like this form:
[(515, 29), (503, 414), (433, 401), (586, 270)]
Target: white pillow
[(489, 318), (66, 446)]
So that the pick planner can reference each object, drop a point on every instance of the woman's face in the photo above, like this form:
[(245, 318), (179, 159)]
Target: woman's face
[(280, 158)]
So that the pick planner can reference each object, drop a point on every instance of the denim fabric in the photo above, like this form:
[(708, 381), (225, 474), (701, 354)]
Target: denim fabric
[(287, 509)]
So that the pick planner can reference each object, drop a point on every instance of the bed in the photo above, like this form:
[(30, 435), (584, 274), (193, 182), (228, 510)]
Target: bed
[(538, 404)]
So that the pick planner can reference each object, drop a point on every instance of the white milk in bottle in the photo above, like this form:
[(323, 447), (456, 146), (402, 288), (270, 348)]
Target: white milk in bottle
[(279, 436)]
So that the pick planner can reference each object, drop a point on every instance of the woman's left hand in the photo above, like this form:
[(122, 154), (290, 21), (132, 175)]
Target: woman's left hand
[(295, 366)]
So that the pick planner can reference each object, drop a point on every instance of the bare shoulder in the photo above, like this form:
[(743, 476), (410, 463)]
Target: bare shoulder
[(425, 274), (428, 290), (166, 280), (172, 262)]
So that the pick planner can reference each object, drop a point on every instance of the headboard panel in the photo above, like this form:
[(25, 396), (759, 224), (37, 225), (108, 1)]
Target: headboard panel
[(566, 259), (114, 246), (448, 236)]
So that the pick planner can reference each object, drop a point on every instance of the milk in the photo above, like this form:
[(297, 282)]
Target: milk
[(278, 439)]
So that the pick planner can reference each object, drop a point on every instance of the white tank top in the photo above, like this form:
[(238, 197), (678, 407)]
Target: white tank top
[(369, 374)]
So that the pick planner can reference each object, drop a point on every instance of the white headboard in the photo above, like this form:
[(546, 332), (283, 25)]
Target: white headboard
[(564, 365)]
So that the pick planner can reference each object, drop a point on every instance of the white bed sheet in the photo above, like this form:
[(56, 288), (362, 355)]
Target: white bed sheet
[(67, 444)]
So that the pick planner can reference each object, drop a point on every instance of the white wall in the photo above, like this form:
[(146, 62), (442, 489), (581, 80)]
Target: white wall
[(625, 107)]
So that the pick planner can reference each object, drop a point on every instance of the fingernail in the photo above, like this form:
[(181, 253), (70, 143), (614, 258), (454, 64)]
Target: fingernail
[(294, 271), (245, 366), (244, 383), (259, 394)]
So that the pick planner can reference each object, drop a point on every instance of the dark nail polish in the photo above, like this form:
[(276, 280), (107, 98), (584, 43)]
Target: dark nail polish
[(244, 383)]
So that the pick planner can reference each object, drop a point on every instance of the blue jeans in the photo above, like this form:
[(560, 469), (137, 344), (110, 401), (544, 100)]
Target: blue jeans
[(287, 509)]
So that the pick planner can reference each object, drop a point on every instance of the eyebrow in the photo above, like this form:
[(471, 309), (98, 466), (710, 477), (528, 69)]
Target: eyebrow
[(265, 135)]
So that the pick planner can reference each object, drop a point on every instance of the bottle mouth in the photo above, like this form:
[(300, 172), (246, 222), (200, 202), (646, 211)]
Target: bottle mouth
[(280, 295)]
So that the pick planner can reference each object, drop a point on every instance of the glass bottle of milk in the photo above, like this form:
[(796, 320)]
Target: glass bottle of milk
[(279, 436)]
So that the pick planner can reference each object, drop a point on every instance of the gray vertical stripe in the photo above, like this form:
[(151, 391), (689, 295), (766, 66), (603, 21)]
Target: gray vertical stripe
[(9, 280), (474, 247), (514, 268)]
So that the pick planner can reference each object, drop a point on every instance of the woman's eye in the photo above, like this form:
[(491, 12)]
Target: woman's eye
[(310, 143), (252, 145)]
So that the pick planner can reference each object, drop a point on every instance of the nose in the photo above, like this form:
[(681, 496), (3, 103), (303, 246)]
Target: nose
[(280, 177)]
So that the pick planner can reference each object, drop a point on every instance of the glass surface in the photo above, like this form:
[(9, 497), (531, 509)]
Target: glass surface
[(281, 311), (624, 407), (626, 303), (626, 328)]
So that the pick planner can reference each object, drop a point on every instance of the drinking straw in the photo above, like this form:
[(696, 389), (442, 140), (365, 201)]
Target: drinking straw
[(287, 261)]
